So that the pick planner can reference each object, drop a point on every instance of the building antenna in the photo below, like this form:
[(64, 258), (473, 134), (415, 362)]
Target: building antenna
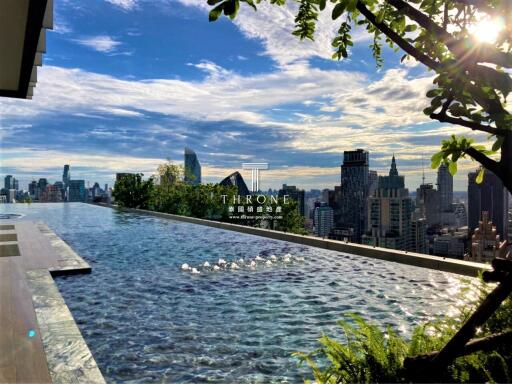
[(423, 169)]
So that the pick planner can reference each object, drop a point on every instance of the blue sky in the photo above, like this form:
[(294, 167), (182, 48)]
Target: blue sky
[(127, 84)]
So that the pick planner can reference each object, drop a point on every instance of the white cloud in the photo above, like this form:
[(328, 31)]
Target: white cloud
[(124, 4), (101, 43), (273, 26), (221, 95), (344, 109)]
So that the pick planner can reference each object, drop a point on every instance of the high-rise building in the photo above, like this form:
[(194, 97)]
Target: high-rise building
[(192, 168), (428, 204), (41, 187), (77, 191), (390, 213), (15, 184), (66, 176), (11, 195), (460, 215), (8, 182), (323, 220), (489, 196), (352, 199), (373, 182), (32, 189), (60, 186), (450, 244), (296, 194), (419, 241), (236, 180), (445, 188), (485, 241), (51, 194)]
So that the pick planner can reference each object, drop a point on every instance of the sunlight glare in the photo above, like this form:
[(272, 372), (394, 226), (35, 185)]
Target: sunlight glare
[(487, 30)]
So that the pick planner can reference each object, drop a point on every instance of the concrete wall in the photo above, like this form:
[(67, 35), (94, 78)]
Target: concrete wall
[(416, 259)]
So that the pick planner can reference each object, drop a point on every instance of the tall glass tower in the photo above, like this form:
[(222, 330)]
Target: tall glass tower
[(445, 187), (354, 193), (192, 168), (66, 176)]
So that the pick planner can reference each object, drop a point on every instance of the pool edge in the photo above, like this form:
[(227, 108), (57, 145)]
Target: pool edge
[(438, 263)]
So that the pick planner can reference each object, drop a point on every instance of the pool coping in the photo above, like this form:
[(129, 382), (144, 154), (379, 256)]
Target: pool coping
[(460, 267), (68, 357)]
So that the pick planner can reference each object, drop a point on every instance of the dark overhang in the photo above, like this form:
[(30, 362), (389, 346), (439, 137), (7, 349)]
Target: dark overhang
[(23, 25)]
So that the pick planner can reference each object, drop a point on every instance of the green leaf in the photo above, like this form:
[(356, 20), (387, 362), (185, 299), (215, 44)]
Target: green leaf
[(338, 10), (498, 143), (380, 15), (321, 4), (215, 12), (452, 168), (436, 159), (251, 3), (480, 176), (434, 92)]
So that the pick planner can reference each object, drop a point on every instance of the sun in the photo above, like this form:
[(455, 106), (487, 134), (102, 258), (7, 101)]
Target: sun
[(487, 30)]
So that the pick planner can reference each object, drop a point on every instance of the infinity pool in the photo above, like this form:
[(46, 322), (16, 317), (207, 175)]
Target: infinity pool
[(146, 319)]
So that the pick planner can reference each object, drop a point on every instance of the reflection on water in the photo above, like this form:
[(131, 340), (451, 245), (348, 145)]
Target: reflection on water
[(148, 317)]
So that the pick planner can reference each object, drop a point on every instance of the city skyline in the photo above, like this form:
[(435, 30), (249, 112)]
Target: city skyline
[(113, 96), (54, 176)]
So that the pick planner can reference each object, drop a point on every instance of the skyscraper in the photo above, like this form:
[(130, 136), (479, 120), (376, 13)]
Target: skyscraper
[(236, 180), (66, 176), (76, 191), (323, 219), (295, 194), (390, 214), (192, 168), (8, 182), (445, 188), (485, 241), (353, 194), (428, 203), (489, 196)]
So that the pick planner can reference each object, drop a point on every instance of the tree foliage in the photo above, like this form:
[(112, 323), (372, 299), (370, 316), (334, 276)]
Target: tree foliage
[(205, 201), (472, 78), (132, 191)]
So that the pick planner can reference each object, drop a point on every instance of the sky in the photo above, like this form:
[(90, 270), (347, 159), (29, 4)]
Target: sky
[(127, 84)]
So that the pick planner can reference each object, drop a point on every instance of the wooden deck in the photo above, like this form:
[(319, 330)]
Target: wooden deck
[(22, 354)]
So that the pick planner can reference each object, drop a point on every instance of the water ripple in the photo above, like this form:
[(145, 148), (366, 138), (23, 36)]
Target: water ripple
[(146, 318)]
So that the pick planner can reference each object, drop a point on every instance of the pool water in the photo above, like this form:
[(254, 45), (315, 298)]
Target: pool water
[(148, 318)]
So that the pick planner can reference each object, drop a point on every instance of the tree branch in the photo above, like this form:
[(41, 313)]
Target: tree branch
[(402, 43), (444, 118), (487, 162), (484, 53)]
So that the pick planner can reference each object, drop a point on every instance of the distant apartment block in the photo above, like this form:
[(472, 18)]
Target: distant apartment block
[(295, 194), (77, 191), (452, 244), (323, 220)]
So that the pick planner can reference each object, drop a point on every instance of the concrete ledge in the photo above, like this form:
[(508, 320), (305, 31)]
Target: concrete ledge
[(459, 267), (70, 263), (67, 354)]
